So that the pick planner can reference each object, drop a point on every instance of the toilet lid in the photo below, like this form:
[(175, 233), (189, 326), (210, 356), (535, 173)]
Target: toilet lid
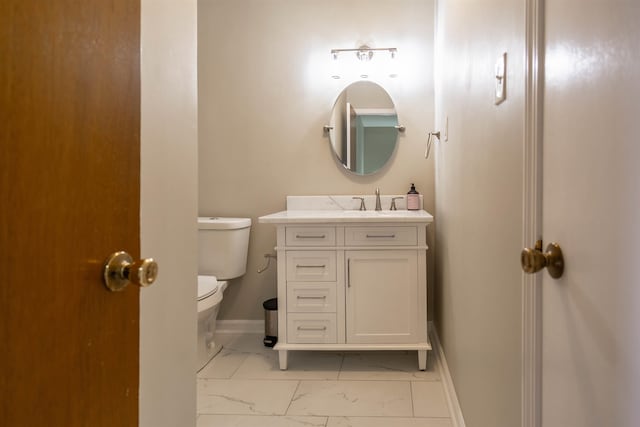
[(207, 286)]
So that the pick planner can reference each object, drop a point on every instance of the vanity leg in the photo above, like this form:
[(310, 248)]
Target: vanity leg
[(422, 360), (283, 356)]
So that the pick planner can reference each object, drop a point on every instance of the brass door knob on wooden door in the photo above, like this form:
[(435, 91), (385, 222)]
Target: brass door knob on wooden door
[(534, 260), (119, 270)]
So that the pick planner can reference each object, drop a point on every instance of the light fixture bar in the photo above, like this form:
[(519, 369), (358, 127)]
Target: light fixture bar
[(364, 49), (363, 62)]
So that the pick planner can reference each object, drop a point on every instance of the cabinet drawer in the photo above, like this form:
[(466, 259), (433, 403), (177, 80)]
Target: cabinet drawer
[(381, 236), (311, 297), (310, 236), (303, 328), (311, 266)]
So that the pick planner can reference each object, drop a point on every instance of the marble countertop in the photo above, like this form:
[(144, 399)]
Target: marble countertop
[(343, 209), (343, 216)]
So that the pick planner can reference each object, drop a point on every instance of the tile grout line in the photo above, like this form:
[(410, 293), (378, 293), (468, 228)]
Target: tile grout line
[(340, 368), (286, 412), (235, 371), (413, 408)]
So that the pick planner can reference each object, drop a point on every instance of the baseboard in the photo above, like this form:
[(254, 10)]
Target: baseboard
[(447, 382), (239, 326)]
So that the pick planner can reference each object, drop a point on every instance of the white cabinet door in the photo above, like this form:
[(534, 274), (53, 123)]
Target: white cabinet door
[(382, 297)]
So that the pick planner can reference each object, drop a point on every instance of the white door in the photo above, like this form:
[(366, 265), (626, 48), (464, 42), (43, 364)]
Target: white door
[(591, 207)]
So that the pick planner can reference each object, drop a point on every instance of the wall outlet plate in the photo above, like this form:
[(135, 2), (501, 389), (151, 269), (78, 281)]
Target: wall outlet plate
[(501, 79)]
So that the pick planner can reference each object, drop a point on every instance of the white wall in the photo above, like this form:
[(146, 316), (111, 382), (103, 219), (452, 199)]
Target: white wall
[(265, 92), (479, 206), (168, 212)]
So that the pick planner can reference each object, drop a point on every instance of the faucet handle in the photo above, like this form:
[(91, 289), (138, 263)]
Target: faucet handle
[(393, 203), (362, 206)]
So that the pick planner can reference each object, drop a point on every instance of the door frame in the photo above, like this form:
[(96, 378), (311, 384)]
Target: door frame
[(168, 212), (532, 212)]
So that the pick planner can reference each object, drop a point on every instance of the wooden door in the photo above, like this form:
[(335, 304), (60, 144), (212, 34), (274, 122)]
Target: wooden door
[(69, 196), (591, 207)]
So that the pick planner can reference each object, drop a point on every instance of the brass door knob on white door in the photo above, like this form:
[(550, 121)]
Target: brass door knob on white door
[(534, 260), (120, 269)]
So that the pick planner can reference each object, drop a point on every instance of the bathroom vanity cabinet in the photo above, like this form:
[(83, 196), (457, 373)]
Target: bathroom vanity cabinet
[(352, 282)]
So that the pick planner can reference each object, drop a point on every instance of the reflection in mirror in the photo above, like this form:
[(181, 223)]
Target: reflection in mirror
[(363, 128)]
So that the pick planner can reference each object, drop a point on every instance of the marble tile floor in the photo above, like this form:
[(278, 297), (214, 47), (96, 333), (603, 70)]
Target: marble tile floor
[(243, 387)]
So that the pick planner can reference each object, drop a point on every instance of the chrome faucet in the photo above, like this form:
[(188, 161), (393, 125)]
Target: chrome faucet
[(378, 204)]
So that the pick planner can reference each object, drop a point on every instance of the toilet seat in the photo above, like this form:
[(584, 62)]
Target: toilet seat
[(207, 286), (210, 292)]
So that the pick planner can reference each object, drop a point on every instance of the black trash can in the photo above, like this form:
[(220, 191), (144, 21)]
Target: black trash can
[(270, 322)]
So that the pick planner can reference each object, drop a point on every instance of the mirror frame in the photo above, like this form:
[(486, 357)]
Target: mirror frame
[(372, 113)]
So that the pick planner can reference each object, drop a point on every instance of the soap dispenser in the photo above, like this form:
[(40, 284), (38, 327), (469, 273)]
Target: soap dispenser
[(413, 199)]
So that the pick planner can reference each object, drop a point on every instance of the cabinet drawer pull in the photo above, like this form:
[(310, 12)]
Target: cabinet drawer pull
[(311, 328), (310, 236), (311, 297), (310, 266), (381, 236)]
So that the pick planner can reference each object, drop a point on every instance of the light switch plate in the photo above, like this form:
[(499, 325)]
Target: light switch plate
[(501, 78)]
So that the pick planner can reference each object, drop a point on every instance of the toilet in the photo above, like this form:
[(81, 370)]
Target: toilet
[(223, 245)]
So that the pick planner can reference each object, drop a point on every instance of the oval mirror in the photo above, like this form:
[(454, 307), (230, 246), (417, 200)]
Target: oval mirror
[(363, 128)]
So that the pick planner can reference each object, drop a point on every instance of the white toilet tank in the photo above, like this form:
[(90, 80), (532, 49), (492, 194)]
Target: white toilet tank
[(223, 244)]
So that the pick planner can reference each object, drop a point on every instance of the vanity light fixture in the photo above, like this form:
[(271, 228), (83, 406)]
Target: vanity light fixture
[(363, 62)]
